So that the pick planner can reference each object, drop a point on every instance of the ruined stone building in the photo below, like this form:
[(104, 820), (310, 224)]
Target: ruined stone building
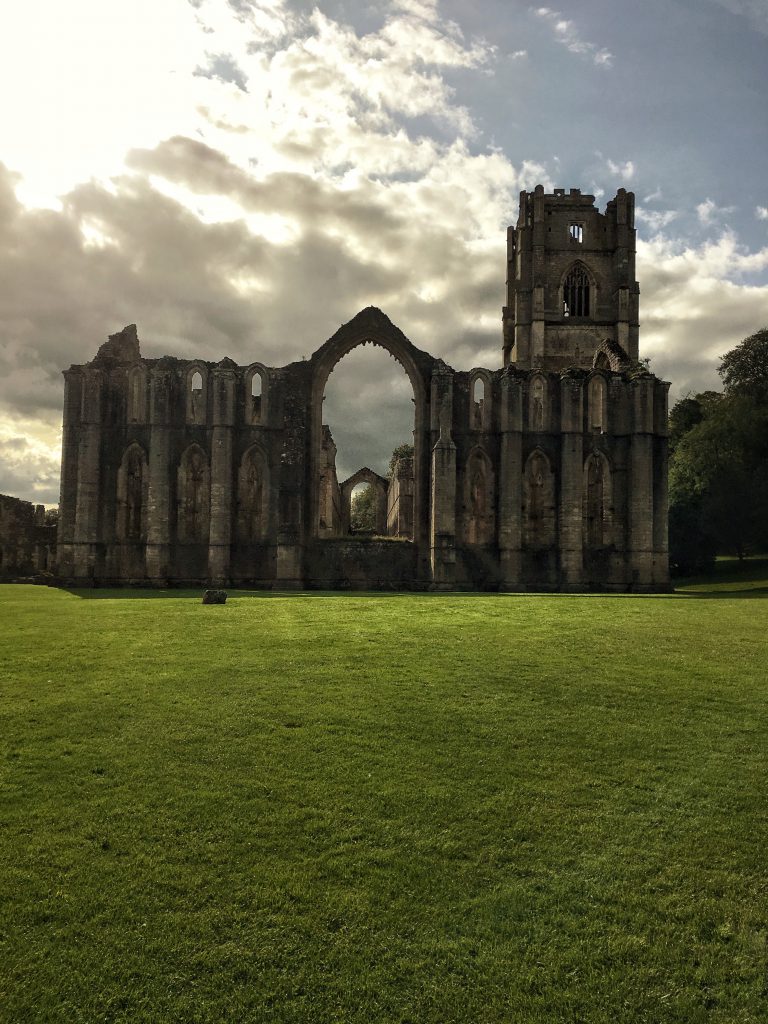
[(549, 473), (27, 539)]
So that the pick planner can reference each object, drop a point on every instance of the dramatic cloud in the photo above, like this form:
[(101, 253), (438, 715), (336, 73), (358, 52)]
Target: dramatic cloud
[(274, 167), (696, 305)]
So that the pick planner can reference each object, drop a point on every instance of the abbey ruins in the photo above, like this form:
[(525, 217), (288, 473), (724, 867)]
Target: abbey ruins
[(549, 473)]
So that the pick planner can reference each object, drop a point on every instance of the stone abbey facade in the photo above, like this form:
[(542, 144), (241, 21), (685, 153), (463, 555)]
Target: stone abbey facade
[(549, 473)]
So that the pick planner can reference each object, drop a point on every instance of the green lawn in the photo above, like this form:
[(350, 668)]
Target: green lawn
[(365, 809)]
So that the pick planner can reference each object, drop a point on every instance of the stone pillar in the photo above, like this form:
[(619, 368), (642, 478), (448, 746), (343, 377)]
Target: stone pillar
[(222, 448), (641, 497), (159, 511), (70, 450), (88, 504), (511, 482), (442, 532), (661, 488), (571, 485), (290, 518)]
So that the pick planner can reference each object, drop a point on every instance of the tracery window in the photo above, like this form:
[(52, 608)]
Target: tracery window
[(576, 292)]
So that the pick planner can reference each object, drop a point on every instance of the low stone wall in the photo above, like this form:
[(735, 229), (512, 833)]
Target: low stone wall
[(361, 564)]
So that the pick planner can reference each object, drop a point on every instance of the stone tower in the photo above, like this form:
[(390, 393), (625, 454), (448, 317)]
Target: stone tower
[(570, 280)]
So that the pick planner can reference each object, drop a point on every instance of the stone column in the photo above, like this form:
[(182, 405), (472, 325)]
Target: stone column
[(70, 450), (442, 532), (641, 498), (290, 520), (222, 447), (511, 482), (571, 485), (88, 504), (159, 509), (661, 488)]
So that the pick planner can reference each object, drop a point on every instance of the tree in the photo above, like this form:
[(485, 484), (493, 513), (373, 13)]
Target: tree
[(718, 484), (363, 510), (745, 368), (403, 451)]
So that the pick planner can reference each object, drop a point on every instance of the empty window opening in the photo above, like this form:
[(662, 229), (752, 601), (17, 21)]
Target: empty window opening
[(257, 389), (362, 509), (197, 381), (577, 232), (478, 403), (576, 293)]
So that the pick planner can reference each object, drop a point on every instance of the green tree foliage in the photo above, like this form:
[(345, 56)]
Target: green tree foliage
[(719, 463), (363, 511), (403, 451), (745, 368)]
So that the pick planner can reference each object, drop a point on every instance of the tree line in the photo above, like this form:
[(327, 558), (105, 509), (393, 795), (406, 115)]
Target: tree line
[(718, 471)]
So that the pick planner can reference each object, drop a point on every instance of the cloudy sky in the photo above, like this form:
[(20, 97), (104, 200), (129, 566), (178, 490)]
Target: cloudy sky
[(240, 177)]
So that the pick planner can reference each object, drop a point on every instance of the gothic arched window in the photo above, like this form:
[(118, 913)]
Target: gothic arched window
[(576, 290), (252, 497), (193, 495), (256, 395), (132, 483), (537, 409), (597, 500), (479, 499), (538, 501)]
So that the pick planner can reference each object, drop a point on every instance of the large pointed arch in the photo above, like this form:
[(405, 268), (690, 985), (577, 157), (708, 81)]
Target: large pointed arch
[(373, 327)]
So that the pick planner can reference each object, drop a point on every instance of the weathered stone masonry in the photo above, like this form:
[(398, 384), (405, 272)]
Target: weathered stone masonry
[(549, 473), (27, 541)]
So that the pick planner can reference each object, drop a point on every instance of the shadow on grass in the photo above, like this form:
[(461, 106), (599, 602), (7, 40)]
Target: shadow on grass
[(699, 591)]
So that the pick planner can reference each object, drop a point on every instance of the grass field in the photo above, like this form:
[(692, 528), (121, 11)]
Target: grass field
[(425, 809)]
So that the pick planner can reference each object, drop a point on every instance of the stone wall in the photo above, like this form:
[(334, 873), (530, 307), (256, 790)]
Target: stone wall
[(27, 541)]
